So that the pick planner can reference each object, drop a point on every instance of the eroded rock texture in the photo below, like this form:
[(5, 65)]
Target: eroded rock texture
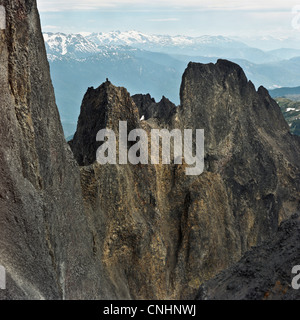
[(162, 233), (248, 144), (132, 231), (162, 111), (46, 244), (264, 273)]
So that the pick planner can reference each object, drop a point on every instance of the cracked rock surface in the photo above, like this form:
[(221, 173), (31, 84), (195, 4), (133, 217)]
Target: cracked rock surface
[(74, 229)]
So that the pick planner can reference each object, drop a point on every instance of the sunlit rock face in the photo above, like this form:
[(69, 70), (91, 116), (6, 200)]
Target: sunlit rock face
[(161, 232), (74, 229)]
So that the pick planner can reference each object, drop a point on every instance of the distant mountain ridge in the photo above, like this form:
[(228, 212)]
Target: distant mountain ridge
[(76, 46), (150, 64), (62, 44), (136, 38), (82, 45), (91, 42), (286, 92), (78, 230)]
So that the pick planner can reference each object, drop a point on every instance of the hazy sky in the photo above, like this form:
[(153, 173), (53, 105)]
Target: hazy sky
[(188, 17)]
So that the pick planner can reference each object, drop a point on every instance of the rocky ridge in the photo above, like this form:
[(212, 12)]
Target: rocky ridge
[(174, 230), (162, 111), (88, 231)]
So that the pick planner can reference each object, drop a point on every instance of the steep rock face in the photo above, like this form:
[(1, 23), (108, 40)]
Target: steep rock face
[(144, 103), (46, 244), (132, 231), (163, 111), (162, 233), (101, 108), (150, 243), (247, 143), (264, 273)]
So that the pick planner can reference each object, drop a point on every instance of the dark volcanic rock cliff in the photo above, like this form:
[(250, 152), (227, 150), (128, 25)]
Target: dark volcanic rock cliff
[(264, 273), (163, 111), (132, 231), (101, 108), (162, 233), (46, 244), (247, 143)]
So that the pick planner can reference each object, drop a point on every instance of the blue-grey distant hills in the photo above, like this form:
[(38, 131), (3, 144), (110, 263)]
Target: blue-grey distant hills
[(290, 93), (152, 64)]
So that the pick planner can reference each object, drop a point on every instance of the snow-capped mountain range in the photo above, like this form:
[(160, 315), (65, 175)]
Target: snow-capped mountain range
[(135, 38), (61, 44), (152, 64), (81, 46)]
